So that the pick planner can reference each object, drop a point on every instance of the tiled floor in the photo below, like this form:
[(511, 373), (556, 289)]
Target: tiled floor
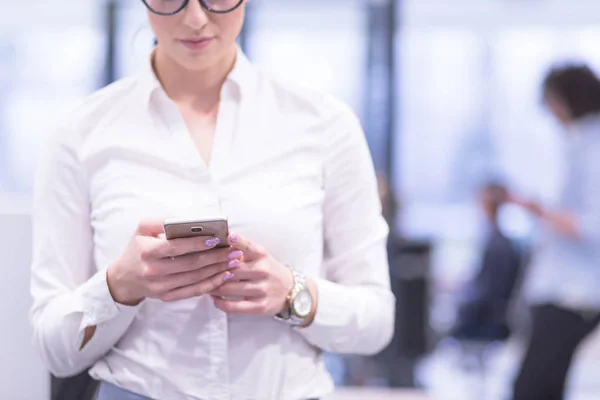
[(450, 374), (378, 394), (453, 373)]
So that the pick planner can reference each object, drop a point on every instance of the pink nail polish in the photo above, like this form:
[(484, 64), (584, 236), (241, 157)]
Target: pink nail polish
[(236, 254), (233, 238), (228, 276), (212, 242), (234, 263)]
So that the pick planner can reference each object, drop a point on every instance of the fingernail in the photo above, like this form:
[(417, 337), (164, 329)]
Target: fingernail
[(212, 242), (228, 276), (233, 238), (234, 263), (236, 254)]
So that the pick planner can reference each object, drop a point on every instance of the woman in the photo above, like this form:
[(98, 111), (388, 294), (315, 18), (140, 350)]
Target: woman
[(565, 275), (482, 314), (204, 133)]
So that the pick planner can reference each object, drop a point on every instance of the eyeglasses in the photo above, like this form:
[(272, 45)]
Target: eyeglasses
[(171, 7)]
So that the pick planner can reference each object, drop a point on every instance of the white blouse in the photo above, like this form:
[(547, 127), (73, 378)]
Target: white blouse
[(291, 170)]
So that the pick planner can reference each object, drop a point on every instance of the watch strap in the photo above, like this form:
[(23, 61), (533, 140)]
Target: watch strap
[(288, 314)]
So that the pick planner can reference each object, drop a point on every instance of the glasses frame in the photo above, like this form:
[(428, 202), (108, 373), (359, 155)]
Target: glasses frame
[(186, 2)]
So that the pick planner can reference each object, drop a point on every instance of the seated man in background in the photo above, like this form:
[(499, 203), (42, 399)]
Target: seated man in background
[(482, 315)]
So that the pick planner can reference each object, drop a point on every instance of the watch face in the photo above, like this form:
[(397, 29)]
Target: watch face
[(302, 303)]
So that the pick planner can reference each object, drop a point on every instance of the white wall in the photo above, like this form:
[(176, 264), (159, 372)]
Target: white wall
[(22, 375)]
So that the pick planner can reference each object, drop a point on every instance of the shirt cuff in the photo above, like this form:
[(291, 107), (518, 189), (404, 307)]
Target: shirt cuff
[(332, 324), (94, 300)]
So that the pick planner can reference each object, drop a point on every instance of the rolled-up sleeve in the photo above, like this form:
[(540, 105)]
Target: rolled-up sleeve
[(356, 307), (69, 293)]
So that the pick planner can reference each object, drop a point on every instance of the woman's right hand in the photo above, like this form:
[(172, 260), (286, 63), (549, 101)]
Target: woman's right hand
[(170, 270)]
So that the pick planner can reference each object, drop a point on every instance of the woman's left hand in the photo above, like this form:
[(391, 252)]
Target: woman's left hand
[(263, 282)]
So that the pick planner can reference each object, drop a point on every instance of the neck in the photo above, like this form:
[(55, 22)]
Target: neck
[(199, 88)]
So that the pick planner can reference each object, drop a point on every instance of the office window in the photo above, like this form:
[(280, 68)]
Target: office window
[(317, 44), (50, 58)]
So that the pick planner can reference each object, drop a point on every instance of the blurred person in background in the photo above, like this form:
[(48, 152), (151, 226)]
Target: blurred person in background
[(204, 132), (483, 312), (563, 283)]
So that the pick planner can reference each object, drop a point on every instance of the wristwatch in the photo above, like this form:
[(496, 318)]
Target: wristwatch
[(298, 303)]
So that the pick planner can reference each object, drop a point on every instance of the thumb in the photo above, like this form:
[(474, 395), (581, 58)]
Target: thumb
[(151, 227), (251, 250)]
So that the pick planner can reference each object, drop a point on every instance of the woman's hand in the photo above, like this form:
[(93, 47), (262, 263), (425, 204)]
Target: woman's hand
[(263, 282), (561, 222), (170, 270)]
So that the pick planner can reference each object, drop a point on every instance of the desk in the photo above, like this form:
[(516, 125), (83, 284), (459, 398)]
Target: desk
[(377, 394)]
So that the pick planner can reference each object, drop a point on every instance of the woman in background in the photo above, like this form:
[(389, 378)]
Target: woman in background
[(203, 132), (563, 285)]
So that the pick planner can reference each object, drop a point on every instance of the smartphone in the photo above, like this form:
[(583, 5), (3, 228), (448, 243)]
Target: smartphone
[(210, 227)]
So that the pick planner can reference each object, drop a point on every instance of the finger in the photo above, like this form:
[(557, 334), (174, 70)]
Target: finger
[(150, 227), (198, 289), (250, 271), (247, 307), (251, 250), (176, 281), (181, 246), (189, 262), (241, 289)]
